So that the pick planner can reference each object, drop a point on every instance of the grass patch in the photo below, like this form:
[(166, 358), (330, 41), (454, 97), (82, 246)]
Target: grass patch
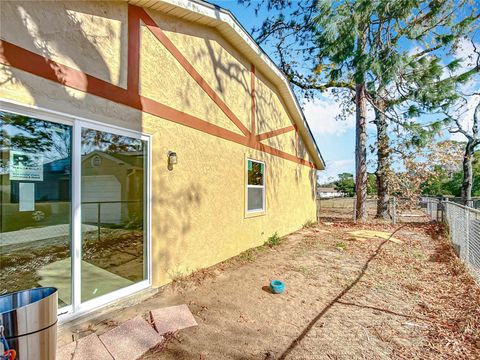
[(341, 246), (273, 240), (248, 255)]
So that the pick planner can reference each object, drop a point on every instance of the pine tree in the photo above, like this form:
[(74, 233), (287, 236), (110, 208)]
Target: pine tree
[(364, 48), (458, 107), (472, 134)]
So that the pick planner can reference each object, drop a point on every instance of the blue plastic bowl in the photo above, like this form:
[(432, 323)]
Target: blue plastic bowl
[(277, 286)]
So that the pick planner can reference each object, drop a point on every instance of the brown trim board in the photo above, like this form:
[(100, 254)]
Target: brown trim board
[(133, 67), (277, 132), (38, 65), (35, 64), (182, 60)]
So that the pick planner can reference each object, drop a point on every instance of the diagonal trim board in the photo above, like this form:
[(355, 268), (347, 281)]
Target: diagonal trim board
[(33, 63), (268, 135), (182, 60)]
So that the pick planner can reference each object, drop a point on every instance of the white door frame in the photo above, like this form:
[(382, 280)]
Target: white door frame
[(77, 307)]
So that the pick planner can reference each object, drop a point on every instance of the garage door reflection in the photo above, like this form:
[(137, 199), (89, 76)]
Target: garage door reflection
[(112, 195)]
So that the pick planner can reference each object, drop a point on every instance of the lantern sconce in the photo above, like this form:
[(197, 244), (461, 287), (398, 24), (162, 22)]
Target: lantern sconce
[(172, 159)]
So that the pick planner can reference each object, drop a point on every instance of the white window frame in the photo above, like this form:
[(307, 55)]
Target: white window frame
[(263, 186), (78, 308)]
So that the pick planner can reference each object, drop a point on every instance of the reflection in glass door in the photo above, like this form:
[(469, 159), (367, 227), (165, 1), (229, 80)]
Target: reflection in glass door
[(73, 210), (113, 174), (35, 205)]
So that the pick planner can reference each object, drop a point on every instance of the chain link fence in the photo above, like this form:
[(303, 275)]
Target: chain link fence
[(344, 209), (463, 224), (474, 202)]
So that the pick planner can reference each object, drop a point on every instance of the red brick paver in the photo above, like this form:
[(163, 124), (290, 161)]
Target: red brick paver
[(173, 318), (131, 339), (87, 348)]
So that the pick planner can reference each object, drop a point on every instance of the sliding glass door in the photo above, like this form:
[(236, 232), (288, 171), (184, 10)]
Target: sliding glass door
[(35, 205), (73, 210), (113, 216)]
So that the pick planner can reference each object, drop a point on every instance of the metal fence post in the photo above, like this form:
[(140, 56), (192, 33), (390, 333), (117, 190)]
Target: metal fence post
[(467, 237), (440, 206), (355, 209), (443, 206), (319, 209), (98, 220)]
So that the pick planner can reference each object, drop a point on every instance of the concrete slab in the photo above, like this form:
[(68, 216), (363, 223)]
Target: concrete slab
[(131, 339), (173, 318), (87, 348), (95, 281), (41, 233)]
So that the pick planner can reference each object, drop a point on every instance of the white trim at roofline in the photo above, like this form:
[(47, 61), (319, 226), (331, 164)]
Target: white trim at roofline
[(226, 23)]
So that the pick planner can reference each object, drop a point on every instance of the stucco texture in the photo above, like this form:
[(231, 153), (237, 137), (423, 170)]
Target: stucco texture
[(198, 208)]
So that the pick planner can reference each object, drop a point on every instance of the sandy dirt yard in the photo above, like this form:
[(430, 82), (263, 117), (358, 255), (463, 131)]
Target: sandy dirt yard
[(345, 298)]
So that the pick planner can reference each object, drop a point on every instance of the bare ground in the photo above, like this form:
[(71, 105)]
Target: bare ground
[(345, 299)]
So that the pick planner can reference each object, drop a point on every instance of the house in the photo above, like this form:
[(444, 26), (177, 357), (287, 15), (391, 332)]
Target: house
[(329, 192), (146, 140)]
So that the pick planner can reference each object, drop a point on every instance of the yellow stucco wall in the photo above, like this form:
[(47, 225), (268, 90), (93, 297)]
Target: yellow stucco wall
[(270, 111), (198, 209)]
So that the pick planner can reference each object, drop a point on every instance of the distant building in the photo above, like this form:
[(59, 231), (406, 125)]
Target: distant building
[(329, 192)]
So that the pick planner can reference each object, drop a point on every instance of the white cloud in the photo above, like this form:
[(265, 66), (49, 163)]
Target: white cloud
[(465, 51), (334, 168), (415, 50), (466, 119), (321, 116)]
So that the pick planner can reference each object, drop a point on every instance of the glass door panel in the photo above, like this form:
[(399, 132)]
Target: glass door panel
[(35, 205), (113, 174)]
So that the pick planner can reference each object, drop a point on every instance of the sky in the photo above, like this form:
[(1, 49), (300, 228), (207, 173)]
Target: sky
[(336, 139)]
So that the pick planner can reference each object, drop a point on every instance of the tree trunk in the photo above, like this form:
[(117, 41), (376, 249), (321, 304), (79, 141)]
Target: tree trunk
[(383, 161), (361, 153), (467, 183)]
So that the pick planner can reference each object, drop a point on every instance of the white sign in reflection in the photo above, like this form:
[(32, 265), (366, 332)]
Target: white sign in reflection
[(26, 166)]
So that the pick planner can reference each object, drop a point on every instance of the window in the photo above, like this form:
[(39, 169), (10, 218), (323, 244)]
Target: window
[(255, 186)]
